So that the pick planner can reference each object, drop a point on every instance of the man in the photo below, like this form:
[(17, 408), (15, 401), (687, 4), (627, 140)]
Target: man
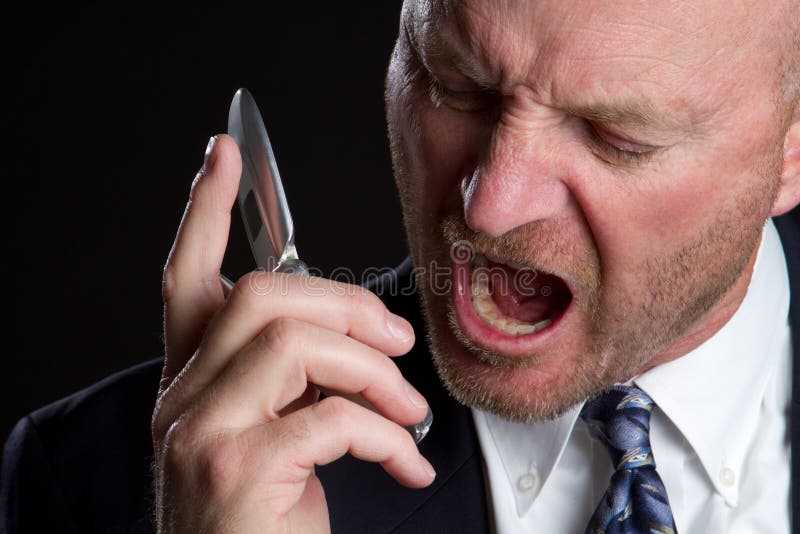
[(630, 156)]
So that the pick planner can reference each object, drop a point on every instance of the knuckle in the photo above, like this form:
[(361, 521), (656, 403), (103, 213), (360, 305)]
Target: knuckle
[(388, 367), (283, 335), (251, 288), (212, 462), (169, 281), (164, 412), (178, 444), (333, 410), (387, 379), (403, 437), (159, 424), (241, 289), (365, 303), (401, 440), (220, 464), (209, 285)]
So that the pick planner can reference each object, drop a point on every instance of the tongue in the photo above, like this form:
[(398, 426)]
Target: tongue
[(519, 296)]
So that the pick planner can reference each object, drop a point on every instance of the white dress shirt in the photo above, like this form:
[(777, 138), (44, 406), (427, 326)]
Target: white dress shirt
[(719, 432)]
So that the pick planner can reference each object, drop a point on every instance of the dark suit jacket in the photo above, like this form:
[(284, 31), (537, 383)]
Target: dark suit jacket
[(83, 464)]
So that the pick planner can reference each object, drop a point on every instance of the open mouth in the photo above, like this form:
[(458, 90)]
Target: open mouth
[(497, 301), (514, 298)]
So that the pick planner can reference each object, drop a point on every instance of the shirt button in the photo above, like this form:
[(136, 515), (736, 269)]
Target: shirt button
[(528, 482), (727, 477)]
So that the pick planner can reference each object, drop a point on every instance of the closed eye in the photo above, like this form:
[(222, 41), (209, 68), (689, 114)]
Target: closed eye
[(467, 101), (620, 149)]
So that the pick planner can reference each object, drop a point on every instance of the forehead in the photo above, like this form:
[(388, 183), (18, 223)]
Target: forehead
[(624, 47)]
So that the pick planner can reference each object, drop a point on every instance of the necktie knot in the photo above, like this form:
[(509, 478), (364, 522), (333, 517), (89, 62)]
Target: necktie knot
[(620, 419), (636, 500)]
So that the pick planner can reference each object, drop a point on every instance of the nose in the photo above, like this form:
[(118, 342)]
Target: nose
[(520, 180)]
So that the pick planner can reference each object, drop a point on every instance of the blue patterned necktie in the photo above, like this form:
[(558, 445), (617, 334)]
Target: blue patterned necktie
[(636, 500)]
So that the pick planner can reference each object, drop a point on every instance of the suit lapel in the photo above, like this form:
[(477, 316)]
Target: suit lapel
[(789, 229)]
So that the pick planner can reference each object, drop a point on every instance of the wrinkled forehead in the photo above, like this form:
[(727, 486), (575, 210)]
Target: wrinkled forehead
[(667, 42)]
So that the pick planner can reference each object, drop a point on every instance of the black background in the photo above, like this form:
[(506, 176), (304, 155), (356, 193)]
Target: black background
[(108, 109)]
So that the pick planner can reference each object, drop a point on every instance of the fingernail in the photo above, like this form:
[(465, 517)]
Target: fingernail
[(415, 396), (427, 467), (211, 154), (398, 327)]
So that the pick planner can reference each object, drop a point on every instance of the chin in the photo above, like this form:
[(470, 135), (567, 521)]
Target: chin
[(536, 389)]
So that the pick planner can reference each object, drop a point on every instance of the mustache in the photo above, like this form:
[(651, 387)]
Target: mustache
[(545, 246)]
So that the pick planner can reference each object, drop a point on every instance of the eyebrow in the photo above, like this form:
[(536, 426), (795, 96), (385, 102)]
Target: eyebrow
[(631, 112), (634, 112), (440, 50)]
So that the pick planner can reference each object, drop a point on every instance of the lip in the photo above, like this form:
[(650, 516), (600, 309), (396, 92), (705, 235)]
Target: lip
[(488, 337)]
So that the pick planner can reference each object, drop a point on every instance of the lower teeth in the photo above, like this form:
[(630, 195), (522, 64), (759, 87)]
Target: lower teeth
[(488, 311)]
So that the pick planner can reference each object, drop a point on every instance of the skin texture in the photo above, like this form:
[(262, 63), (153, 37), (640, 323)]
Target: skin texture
[(515, 156), (506, 131)]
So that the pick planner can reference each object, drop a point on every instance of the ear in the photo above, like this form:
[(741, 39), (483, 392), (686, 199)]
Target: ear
[(789, 192)]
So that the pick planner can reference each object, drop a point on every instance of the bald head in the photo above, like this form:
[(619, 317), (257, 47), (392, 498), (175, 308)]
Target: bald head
[(770, 30)]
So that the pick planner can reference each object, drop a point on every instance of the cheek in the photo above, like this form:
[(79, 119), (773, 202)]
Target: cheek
[(671, 205), (447, 150), (722, 177), (660, 213), (442, 147), (654, 220)]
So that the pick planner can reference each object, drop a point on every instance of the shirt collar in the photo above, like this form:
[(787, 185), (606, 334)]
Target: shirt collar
[(723, 380), (525, 448), (681, 389)]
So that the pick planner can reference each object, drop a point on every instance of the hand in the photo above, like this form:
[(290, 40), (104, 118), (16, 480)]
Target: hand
[(238, 427)]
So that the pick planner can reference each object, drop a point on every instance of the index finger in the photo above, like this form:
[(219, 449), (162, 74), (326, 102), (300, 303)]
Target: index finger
[(191, 288)]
